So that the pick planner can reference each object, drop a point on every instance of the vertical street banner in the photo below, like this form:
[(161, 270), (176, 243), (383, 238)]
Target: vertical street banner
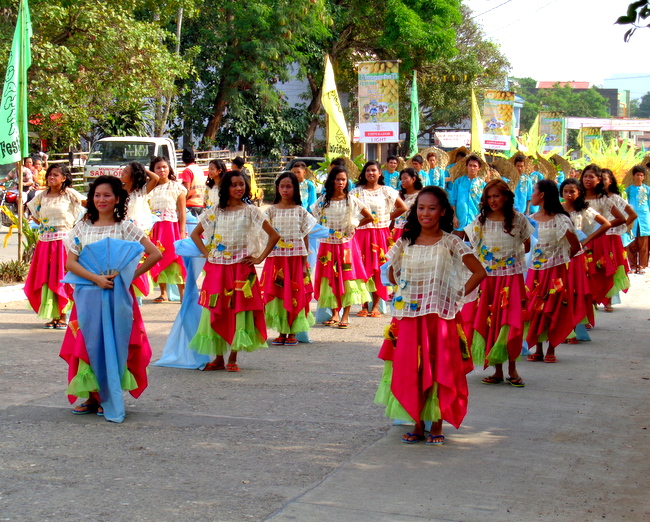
[(13, 104), (378, 102), (476, 144), (588, 134), (553, 125), (338, 137), (415, 117), (498, 119)]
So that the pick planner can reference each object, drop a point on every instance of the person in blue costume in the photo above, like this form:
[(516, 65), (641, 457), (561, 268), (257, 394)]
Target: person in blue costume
[(437, 174), (466, 193), (524, 189), (560, 178), (535, 176), (418, 165), (638, 196), (307, 187), (391, 176)]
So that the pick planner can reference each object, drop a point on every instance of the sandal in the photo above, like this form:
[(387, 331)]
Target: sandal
[(550, 359), (492, 380), (517, 383), (375, 313), (406, 439), (61, 325), (49, 326), (534, 357), (435, 440), (279, 341), (362, 313), (330, 322), (87, 407), (573, 340), (291, 342), (213, 367), (232, 367), (342, 326), (609, 309), (160, 299), (100, 411)]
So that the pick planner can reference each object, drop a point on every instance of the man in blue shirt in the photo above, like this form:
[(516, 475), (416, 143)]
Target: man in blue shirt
[(524, 188), (466, 193), (391, 176), (436, 174), (307, 187)]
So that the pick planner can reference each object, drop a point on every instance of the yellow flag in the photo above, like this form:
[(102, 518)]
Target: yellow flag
[(476, 144), (338, 138), (533, 136)]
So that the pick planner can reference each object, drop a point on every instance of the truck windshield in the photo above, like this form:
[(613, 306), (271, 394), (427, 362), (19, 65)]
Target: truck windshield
[(121, 152)]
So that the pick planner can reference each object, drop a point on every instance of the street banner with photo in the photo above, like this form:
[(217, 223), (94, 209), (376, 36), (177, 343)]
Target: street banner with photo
[(552, 124), (588, 134), (378, 102), (338, 137), (13, 104), (498, 119)]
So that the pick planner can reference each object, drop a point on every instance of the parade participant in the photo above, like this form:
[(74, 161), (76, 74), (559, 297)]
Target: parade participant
[(216, 170), (550, 293), (500, 237), (193, 179), (524, 189), (391, 176), (590, 225), (233, 308), (285, 280), (605, 279), (371, 239), (168, 203), (638, 194), (105, 346), (418, 165), (56, 210), (425, 353), (411, 186), (436, 175), (307, 187), (340, 279), (139, 182), (466, 193)]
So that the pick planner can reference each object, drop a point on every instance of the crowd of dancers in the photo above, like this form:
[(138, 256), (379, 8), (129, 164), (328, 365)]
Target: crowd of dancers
[(477, 269)]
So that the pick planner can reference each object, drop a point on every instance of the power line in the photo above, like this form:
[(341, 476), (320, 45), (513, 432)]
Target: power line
[(520, 19), (628, 78), (495, 7)]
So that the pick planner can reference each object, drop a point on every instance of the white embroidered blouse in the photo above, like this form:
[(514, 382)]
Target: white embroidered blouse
[(138, 210), (409, 199), (164, 200), (380, 202), (620, 204), (430, 278), (84, 233), (552, 247), (293, 224), (501, 253), (57, 214), (340, 218), (211, 196), (231, 235)]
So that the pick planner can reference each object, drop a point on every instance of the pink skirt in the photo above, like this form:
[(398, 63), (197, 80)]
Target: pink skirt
[(283, 278), (47, 269), (338, 264), (395, 234), (163, 234), (426, 351), (601, 267), (551, 301), (579, 278), (373, 245)]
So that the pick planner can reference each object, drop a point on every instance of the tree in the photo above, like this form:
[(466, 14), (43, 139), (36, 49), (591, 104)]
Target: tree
[(637, 11), (644, 107)]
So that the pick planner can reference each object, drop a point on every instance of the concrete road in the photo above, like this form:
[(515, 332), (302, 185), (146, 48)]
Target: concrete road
[(296, 436)]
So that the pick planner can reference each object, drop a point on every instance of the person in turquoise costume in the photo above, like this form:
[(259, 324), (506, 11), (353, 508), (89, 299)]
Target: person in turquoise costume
[(524, 189), (418, 165), (390, 173), (638, 196), (437, 175), (455, 156), (466, 193), (535, 176), (307, 187)]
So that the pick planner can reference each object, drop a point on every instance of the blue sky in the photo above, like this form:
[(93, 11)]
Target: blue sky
[(567, 40)]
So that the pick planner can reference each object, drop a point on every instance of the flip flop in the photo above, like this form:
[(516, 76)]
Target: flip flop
[(431, 440), (550, 359), (362, 313), (534, 357), (517, 383), (160, 300), (90, 408), (279, 341), (232, 367), (342, 326), (213, 367), (61, 325), (375, 313), (291, 342), (418, 439), (492, 380), (330, 322), (49, 326), (100, 411)]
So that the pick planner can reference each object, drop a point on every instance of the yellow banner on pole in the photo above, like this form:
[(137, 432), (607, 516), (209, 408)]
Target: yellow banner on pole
[(477, 126), (338, 137)]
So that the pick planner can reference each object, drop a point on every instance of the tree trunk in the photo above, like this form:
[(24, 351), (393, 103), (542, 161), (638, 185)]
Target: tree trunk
[(314, 108), (220, 104)]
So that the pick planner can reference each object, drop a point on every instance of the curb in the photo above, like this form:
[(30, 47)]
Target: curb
[(12, 293)]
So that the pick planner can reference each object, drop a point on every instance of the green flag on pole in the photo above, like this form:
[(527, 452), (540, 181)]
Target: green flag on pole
[(13, 107), (415, 118)]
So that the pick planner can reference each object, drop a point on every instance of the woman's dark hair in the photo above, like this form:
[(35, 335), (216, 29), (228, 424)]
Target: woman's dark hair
[(238, 162), (138, 175), (329, 184), (296, 187), (581, 201), (158, 159), (412, 228), (508, 206), (417, 184), (65, 171), (418, 158), (119, 212), (221, 167), (613, 185), (600, 188), (224, 188), (338, 162), (551, 193), (362, 177)]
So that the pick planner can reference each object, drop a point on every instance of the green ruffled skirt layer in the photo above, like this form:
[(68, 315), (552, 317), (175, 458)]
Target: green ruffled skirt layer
[(355, 292), (49, 308), (85, 382), (499, 352), (621, 282), (277, 318), (172, 275), (247, 337)]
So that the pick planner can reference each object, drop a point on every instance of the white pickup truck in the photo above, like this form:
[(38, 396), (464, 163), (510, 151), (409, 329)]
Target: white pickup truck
[(109, 155)]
